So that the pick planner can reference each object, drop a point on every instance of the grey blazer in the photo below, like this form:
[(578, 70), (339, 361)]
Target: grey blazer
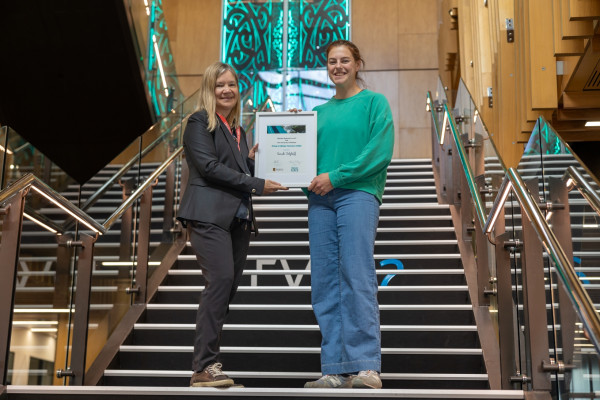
[(219, 173)]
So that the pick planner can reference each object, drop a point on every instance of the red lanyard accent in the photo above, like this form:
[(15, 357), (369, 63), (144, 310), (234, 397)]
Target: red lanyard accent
[(237, 131)]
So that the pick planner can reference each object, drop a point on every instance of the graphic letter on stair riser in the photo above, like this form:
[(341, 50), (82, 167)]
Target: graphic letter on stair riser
[(288, 277)]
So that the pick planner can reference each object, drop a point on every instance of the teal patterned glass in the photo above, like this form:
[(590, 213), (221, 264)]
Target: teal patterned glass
[(259, 35), (149, 30)]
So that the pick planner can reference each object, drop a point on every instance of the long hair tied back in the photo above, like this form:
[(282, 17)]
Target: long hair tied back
[(355, 54)]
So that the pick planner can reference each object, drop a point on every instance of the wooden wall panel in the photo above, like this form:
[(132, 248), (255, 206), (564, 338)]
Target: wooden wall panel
[(398, 40), (584, 9), (465, 42), (195, 38), (573, 29), (505, 127), (563, 47), (415, 16), (482, 55), (448, 61), (541, 53), (415, 51), (377, 41)]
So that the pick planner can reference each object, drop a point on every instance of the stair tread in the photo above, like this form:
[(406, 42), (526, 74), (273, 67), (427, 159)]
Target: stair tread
[(175, 392)]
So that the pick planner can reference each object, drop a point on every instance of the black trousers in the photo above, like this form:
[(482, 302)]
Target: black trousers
[(222, 257)]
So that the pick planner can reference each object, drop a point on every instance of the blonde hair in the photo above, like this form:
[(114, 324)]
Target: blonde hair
[(208, 101)]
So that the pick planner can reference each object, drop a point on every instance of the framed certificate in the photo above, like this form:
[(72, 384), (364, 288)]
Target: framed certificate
[(287, 151)]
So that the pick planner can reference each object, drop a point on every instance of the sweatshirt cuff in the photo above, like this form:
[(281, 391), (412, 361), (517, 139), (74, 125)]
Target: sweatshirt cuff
[(334, 178)]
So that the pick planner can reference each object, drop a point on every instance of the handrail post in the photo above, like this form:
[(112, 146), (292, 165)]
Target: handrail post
[(534, 306), (483, 266), (126, 222), (485, 278), (12, 224), (169, 203), (141, 271), (466, 210), (85, 266), (455, 174), (63, 263), (506, 312), (446, 170), (437, 158), (561, 220)]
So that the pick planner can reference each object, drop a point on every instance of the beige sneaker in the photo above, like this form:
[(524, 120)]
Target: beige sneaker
[(366, 379), (212, 376), (329, 382)]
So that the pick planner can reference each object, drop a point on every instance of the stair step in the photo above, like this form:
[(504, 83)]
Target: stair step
[(295, 327), (301, 375), (398, 256), (447, 288), (172, 393), (308, 271), (293, 350), (306, 307)]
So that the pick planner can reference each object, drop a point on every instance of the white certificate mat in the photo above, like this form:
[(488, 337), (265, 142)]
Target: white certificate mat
[(287, 147)]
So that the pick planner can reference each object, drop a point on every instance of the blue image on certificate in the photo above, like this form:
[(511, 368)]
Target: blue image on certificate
[(286, 129)]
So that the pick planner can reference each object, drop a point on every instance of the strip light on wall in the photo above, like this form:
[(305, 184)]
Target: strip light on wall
[(160, 67), (41, 330), (592, 123)]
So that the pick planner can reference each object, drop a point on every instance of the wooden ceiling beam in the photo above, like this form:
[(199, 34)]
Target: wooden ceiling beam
[(589, 99), (584, 10), (583, 114)]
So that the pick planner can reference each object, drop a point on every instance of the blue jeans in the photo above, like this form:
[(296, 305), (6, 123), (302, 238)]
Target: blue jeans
[(342, 228)]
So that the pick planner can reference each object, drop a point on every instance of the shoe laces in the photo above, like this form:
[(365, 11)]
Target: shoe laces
[(368, 372), (335, 379), (215, 369)]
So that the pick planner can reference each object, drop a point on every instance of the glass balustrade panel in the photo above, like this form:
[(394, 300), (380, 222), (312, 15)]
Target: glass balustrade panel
[(44, 297), (509, 273), (20, 158), (112, 278), (4, 156), (573, 345)]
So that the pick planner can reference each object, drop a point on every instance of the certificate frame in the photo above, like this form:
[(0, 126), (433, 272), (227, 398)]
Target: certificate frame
[(287, 151)]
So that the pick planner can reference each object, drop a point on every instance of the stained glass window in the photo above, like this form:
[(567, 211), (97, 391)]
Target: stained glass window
[(265, 40)]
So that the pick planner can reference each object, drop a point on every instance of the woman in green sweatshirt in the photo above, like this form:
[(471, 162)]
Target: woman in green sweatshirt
[(355, 136)]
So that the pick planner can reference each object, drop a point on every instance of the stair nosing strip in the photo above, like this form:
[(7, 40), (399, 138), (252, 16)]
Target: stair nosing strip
[(294, 350), (415, 288), (305, 327), (299, 375), (267, 392)]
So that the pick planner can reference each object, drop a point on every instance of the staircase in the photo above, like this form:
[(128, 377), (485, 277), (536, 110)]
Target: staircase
[(271, 341)]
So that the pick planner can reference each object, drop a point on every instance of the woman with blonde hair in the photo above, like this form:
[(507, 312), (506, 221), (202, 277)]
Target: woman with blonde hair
[(216, 209)]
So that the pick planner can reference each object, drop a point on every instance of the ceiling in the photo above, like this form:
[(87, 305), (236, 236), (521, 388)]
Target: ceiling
[(70, 80)]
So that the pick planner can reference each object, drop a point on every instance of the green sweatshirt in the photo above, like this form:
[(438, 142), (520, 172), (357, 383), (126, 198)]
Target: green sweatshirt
[(355, 139)]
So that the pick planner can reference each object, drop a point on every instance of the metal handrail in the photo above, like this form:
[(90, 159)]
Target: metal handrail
[(479, 209), (584, 306), (584, 187), (31, 181), (140, 190), (512, 181), (123, 170), (430, 107)]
